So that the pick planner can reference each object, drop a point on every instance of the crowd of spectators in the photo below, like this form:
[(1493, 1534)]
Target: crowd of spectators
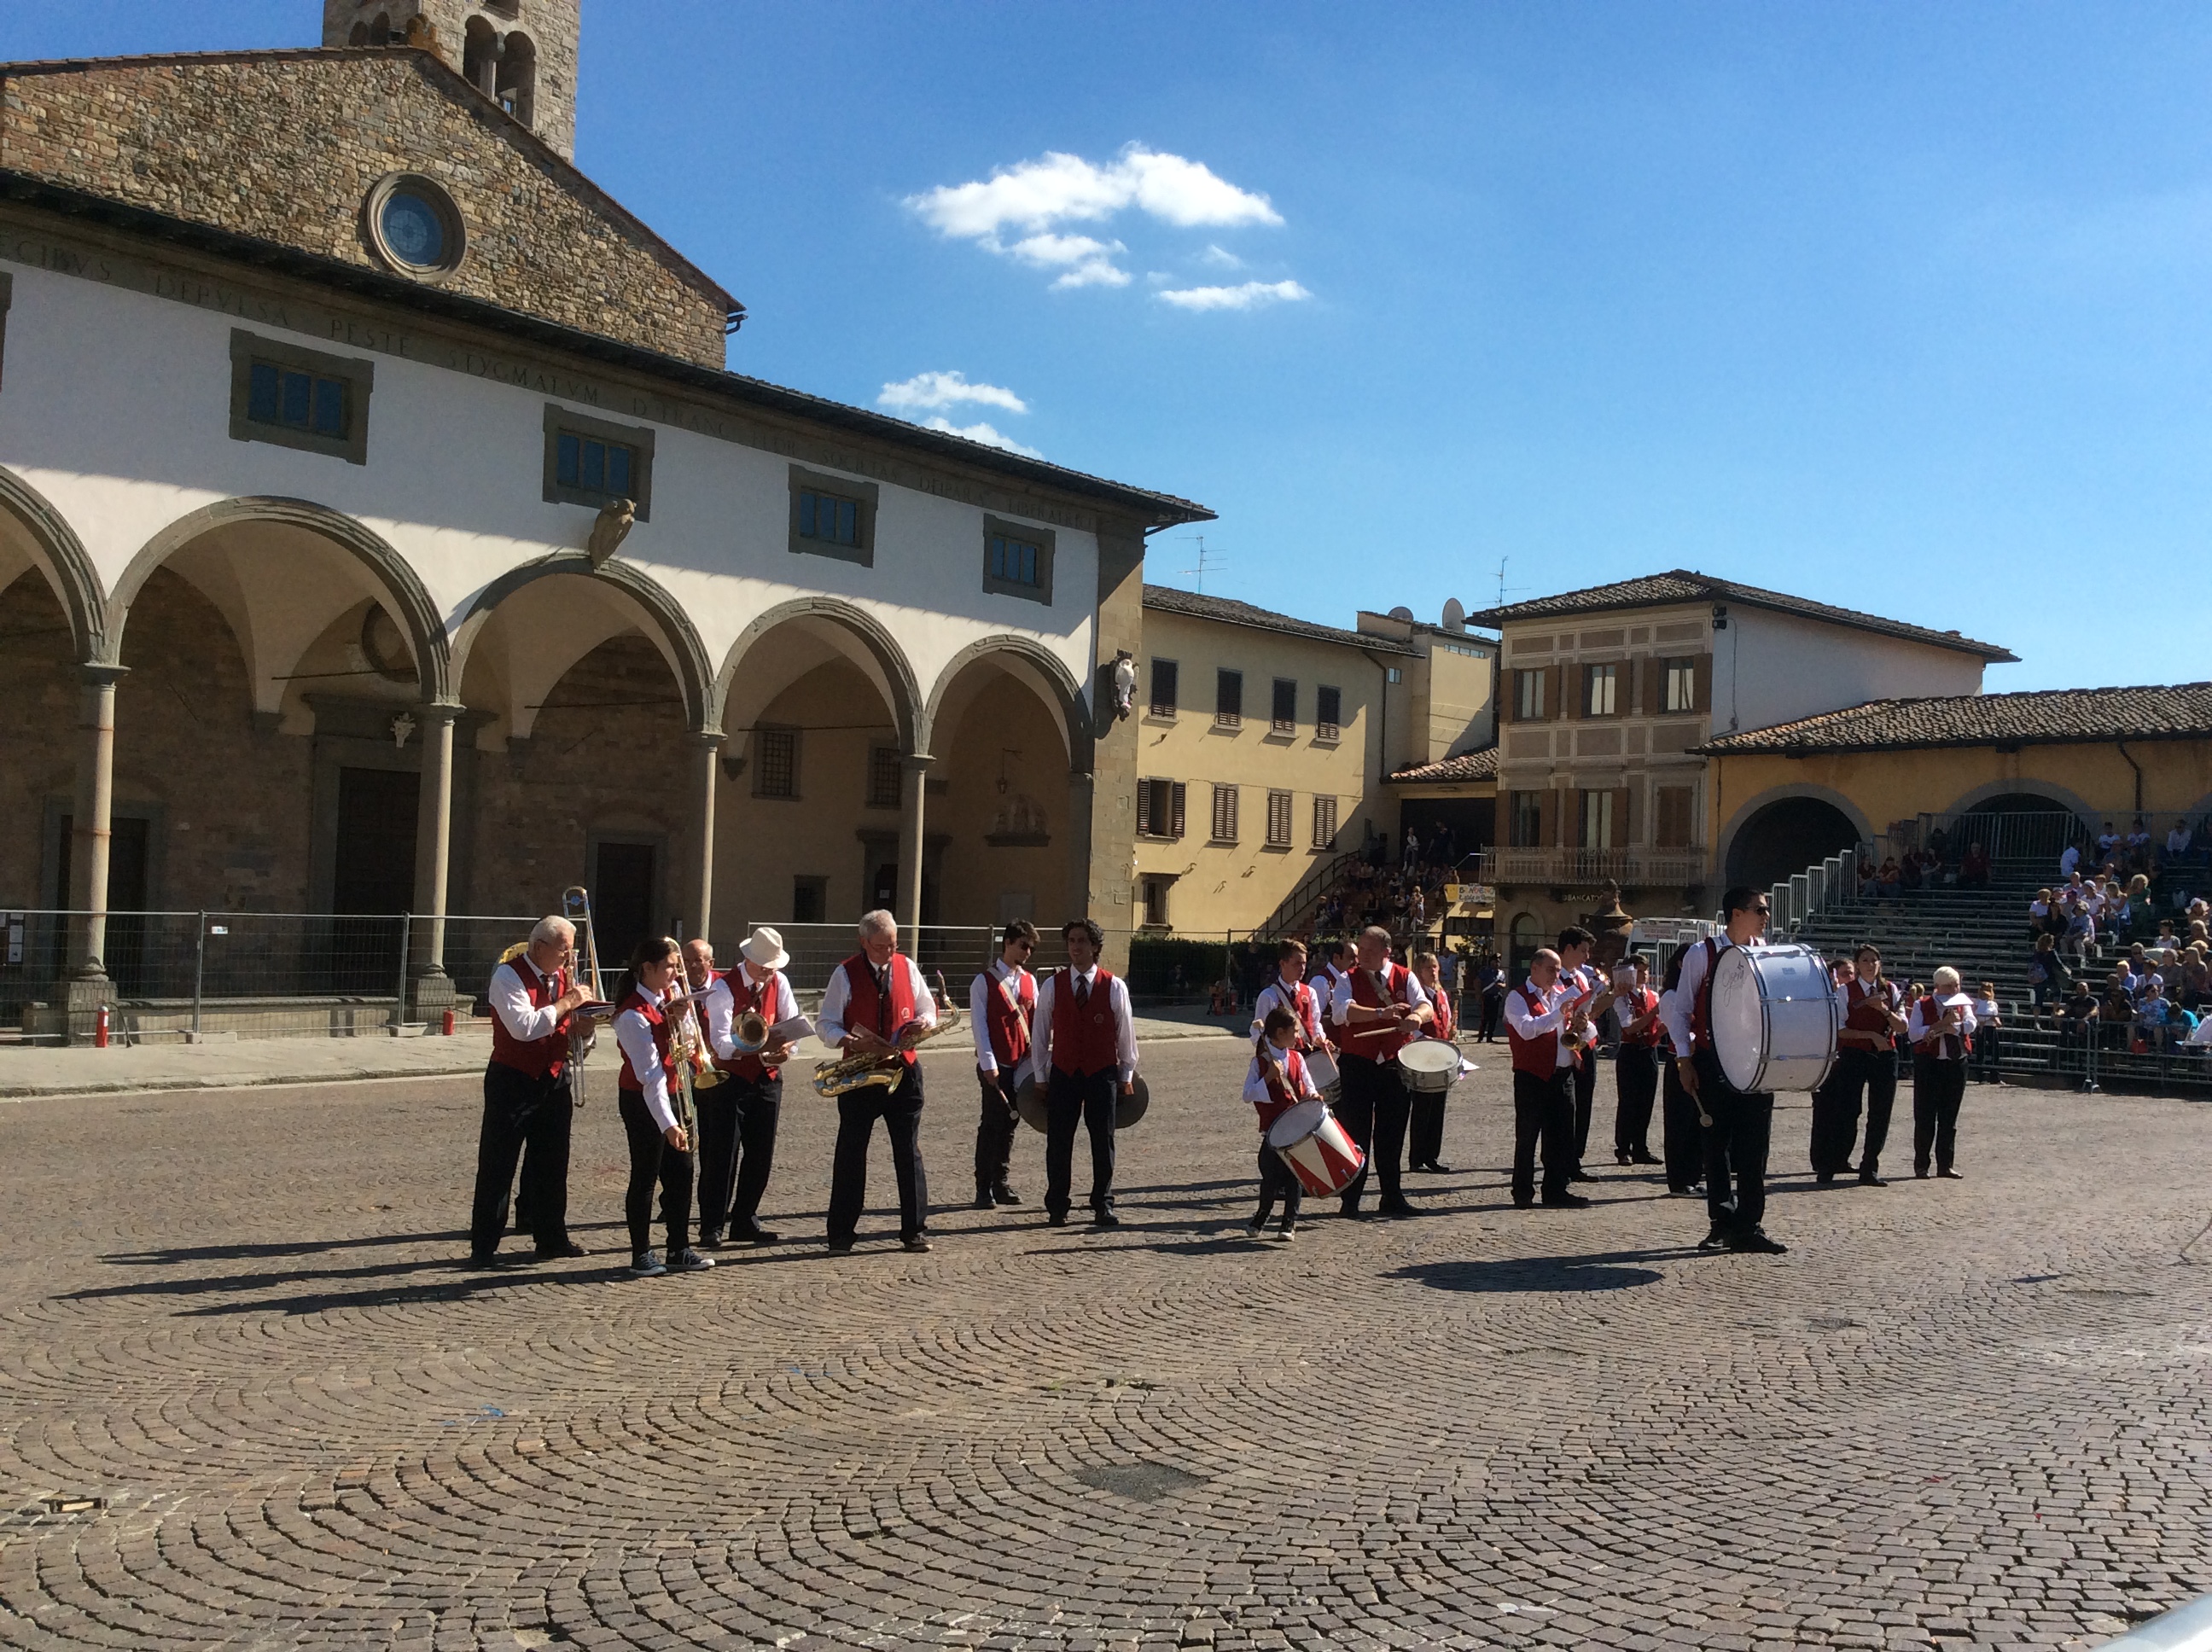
[(1934, 865), (2155, 997), (1404, 898)]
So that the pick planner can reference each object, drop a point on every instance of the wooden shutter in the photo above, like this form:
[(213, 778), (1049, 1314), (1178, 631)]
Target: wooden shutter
[(1176, 809), (1547, 819), (1144, 808), (1624, 828), (1577, 700), (1639, 682), (1554, 689), (1704, 688)]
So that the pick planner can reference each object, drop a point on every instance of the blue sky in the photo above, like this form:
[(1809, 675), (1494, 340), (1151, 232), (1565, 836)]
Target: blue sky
[(1898, 307)]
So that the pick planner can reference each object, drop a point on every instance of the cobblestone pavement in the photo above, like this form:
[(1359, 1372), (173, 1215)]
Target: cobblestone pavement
[(1968, 1413)]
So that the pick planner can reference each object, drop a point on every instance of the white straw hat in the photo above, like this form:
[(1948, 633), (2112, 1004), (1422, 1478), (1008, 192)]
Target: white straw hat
[(763, 949)]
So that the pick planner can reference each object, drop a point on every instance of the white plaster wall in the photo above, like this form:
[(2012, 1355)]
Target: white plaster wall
[(116, 407), (1771, 668)]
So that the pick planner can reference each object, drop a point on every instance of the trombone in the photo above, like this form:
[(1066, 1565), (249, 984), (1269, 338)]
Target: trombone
[(577, 908)]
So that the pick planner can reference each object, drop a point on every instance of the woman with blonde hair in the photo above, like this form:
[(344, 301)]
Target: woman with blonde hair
[(1942, 1031)]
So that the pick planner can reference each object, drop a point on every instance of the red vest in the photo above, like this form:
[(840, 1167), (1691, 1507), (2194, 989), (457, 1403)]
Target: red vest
[(1384, 1040), (1442, 1026), (541, 1058), (662, 1032), (1294, 996), (1951, 1047), (1540, 1055), (742, 997), (1008, 1020), (1869, 1012), (1084, 1040), (1701, 1006), (1281, 1097), (865, 1007), (1642, 1001)]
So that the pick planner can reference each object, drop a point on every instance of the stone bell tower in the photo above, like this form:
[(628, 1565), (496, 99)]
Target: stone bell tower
[(521, 53)]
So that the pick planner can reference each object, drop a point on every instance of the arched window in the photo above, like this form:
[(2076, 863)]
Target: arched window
[(359, 36), (518, 78), (480, 56), (1525, 940)]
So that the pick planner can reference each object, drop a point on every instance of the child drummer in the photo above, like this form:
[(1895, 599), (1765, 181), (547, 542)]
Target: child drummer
[(1277, 1082)]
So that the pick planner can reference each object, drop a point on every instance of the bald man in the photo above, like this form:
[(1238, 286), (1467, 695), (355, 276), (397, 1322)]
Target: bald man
[(526, 1100)]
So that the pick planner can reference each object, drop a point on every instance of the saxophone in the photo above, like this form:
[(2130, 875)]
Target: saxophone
[(852, 1072)]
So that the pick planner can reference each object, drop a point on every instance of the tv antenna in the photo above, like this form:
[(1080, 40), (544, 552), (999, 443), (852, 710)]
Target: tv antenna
[(1502, 588), (1208, 561)]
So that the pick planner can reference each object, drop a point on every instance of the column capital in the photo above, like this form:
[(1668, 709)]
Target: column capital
[(100, 673), (916, 760), (442, 711), (708, 739)]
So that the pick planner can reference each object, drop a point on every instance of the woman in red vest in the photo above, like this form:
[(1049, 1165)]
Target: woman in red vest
[(1636, 1069), (1086, 1059), (1425, 1131), (1001, 1003), (871, 1001), (647, 1001)]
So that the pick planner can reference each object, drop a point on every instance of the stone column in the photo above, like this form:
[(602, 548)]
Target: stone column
[(90, 824), (431, 990), (914, 773), (697, 898), (1108, 895)]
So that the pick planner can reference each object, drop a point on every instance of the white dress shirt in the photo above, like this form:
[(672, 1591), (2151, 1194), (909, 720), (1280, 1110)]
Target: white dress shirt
[(830, 1026), (1340, 1000), (1004, 979), (634, 1034), (1124, 1026), (1276, 995), (509, 995), (1255, 1083), (1555, 1017), (1678, 1006), (1917, 1025), (721, 1008)]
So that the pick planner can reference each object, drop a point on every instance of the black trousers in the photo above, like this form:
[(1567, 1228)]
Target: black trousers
[(652, 1160), (1938, 1087), (900, 1109), (1585, 1092), (1375, 1112), (519, 1109), (1685, 1148), (1543, 1111), (994, 1130), (738, 1120), (1493, 1011), (1089, 1099), (1735, 1148), (1277, 1180), (1424, 1126), (1635, 1086), (1872, 1073)]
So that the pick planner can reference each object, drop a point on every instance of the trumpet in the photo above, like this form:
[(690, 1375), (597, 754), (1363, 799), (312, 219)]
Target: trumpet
[(852, 1072)]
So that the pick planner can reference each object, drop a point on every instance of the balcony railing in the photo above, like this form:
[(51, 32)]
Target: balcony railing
[(1630, 868)]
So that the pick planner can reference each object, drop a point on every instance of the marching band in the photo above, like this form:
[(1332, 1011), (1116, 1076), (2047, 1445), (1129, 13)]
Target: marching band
[(1349, 1070)]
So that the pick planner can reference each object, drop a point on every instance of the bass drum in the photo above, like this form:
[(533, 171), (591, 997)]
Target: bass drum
[(1775, 1018), (1029, 1102)]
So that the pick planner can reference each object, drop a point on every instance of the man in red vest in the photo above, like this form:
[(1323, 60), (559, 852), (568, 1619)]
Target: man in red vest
[(1636, 1065), (737, 1117), (873, 997), (1866, 1063), (1425, 1129), (1378, 1008), (1086, 1052), (1001, 1004), (1542, 1026), (526, 1096)]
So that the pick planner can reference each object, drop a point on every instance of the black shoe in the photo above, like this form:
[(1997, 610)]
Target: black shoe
[(1756, 1240), (1715, 1240), (1566, 1201), (839, 1246), (1396, 1206), (1351, 1212), (984, 1201), (1869, 1179), (710, 1238), (1580, 1175), (1824, 1177), (567, 1247), (1435, 1168), (753, 1233), (1920, 1173), (1950, 1175), (486, 1259), (1645, 1158), (1524, 1201), (1056, 1219), (918, 1243), (1005, 1195), (1620, 1158), (1105, 1219)]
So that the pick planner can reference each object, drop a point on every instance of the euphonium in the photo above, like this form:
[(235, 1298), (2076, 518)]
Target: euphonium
[(749, 1034), (852, 1072)]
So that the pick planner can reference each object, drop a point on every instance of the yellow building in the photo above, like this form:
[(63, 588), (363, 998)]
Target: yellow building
[(1980, 766)]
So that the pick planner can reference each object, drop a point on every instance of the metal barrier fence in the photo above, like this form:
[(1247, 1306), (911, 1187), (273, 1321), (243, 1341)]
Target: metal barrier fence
[(254, 974), (2093, 1058)]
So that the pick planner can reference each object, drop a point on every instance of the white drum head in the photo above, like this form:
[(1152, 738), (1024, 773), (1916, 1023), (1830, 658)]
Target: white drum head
[(1296, 1124), (1774, 1018), (1429, 1055)]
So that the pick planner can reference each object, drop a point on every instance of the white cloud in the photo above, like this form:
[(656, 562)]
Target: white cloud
[(989, 436), (1033, 199), (1220, 257), (1244, 297), (927, 392)]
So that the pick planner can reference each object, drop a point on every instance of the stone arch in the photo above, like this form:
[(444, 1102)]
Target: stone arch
[(679, 638), (1044, 671), (1728, 849), (51, 546), (2060, 798), (395, 577), (868, 632)]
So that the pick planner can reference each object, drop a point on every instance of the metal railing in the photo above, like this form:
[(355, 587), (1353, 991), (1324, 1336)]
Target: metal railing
[(183, 975), (1630, 868), (2037, 836)]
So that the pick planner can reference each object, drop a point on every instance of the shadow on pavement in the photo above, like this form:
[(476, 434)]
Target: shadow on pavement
[(1606, 1271)]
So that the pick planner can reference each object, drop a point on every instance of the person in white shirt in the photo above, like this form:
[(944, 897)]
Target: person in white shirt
[(526, 1096), (1986, 1023), (1276, 1082), (1376, 1009), (1738, 1127), (1941, 1030), (1574, 946), (1288, 991), (2177, 840), (2069, 861), (1543, 1026), (737, 1117), (1001, 1002), (649, 1003), (875, 1003), (1086, 1058)]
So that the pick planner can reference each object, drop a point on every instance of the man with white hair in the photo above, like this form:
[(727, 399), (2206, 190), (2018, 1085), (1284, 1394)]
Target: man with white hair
[(875, 998), (1941, 1032), (526, 1099)]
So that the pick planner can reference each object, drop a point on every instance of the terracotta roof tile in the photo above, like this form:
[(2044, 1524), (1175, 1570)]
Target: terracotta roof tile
[(1166, 599), (2042, 717), (1481, 765)]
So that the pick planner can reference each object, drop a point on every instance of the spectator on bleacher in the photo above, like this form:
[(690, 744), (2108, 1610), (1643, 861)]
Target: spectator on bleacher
[(2137, 844), (1417, 908), (1885, 880), (2178, 840), (1986, 1026), (1939, 845), (1974, 869), (2080, 932), (1908, 872), (2166, 936), (1412, 856), (2142, 913), (2108, 841), (2079, 1011), (2152, 1015), (1868, 881), (2049, 980), (2039, 915), (2116, 1010), (2200, 1036), (2069, 860)]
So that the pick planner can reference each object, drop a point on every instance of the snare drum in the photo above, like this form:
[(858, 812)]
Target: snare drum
[(1320, 1153), (1321, 1067), (1429, 1066), (1775, 1018)]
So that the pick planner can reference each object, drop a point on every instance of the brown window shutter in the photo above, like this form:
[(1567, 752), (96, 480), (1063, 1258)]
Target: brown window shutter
[(1624, 828), (1177, 809), (1144, 808), (1509, 694), (1547, 819), (1639, 672), (1573, 691), (1704, 689), (1552, 676)]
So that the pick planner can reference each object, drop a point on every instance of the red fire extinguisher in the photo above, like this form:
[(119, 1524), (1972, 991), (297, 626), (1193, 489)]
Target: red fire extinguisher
[(100, 1030), (448, 1028)]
